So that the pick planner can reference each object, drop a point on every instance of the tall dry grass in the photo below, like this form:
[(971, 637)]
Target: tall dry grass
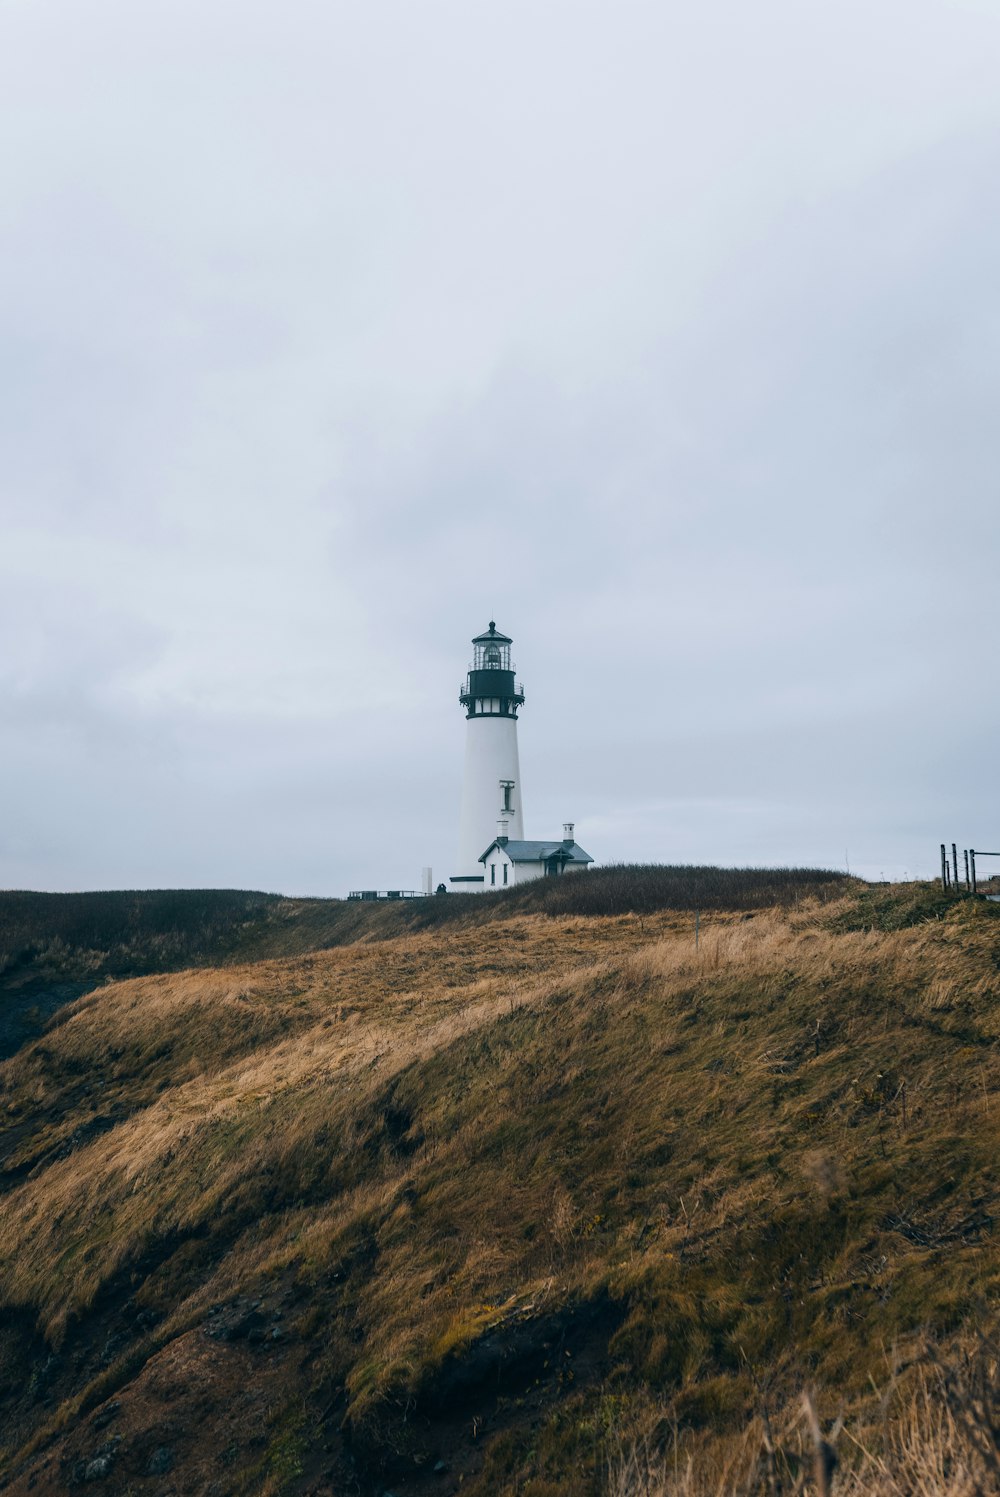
[(938, 1438)]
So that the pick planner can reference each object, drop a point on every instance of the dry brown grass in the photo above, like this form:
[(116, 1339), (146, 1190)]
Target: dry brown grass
[(770, 1157), (938, 1437)]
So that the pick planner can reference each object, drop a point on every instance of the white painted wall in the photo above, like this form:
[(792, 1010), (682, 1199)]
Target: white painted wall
[(494, 866), (490, 756), (517, 873)]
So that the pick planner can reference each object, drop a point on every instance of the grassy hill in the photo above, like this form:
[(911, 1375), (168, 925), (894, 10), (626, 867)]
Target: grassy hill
[(518, 1194), (55, 947)]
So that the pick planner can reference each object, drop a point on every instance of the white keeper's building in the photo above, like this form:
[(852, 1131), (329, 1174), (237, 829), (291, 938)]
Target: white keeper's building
[(493, 852)]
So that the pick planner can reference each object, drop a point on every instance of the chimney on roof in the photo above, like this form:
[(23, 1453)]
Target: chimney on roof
[(502, 824), (568, 838)]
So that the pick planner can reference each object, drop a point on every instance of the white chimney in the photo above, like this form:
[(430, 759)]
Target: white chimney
[(502, 825), (568, 831)]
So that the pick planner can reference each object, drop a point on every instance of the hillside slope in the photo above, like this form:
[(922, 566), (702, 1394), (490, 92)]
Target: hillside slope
[(484, 1203), (56, 947)]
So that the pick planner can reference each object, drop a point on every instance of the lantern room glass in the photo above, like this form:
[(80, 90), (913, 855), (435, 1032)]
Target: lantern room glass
[(492, 656)]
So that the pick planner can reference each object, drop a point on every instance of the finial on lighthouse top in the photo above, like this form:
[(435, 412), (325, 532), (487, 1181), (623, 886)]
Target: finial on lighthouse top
[(492, 636)]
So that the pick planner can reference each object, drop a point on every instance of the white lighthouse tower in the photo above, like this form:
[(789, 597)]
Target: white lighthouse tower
[(491, 790)]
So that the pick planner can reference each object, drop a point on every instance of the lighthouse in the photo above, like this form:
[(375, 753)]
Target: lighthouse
[(491, 788)]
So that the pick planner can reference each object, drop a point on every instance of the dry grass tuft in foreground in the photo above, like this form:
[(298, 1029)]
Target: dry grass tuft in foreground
[(939, 1438)]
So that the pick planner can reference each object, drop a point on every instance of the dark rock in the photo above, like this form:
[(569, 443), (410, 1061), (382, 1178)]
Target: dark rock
[(101, 1461), (440, 1468), (524, 1348), (235, 1321), (161, 1461), (104, 1416)]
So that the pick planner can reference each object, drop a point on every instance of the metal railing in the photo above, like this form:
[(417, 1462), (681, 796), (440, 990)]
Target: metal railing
[(472, 666), (372, 894), (463, 690)]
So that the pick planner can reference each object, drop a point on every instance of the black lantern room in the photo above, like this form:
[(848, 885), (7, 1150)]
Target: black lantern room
[(490, 689)]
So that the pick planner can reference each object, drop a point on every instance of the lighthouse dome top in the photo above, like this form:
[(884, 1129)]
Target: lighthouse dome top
[(492, 636)]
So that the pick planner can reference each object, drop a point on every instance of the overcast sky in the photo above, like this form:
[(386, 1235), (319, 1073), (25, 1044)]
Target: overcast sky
[(666, 334)]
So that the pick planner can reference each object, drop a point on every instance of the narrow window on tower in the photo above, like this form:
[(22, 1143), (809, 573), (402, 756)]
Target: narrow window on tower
[(507, 786)]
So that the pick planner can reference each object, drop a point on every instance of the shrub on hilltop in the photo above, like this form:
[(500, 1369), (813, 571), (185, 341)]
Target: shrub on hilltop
[(641, 888)]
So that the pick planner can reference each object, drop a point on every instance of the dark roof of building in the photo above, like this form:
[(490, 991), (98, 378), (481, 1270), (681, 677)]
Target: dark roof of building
[(492, 636), (536, 852)]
